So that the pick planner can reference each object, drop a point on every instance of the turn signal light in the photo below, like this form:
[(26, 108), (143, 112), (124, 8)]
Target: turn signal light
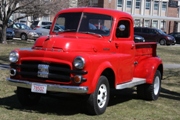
[(77, 79)]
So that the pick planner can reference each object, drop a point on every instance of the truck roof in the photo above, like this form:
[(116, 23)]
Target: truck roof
[(106, 11)]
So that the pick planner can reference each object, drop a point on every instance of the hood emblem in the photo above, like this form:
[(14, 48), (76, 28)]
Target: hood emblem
[(48, 38)]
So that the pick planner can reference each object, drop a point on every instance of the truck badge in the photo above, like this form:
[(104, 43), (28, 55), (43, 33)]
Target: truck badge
[(43, 71)]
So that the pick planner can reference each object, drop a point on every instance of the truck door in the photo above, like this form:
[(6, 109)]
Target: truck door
[(125, 45)]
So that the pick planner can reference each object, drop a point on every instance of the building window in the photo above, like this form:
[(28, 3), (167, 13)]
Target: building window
[(46, 18), (93, 3), (138, 4), (155, 24), (137, 22), (163, 25), (164, 6), (119, 3), (147, 23), (148, 4), (129, 3), (156, 5)]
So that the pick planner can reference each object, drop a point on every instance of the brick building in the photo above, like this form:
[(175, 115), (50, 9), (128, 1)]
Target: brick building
[(161, 14)]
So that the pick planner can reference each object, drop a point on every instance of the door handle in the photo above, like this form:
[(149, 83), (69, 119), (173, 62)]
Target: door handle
[(133, 45), (116, 45)]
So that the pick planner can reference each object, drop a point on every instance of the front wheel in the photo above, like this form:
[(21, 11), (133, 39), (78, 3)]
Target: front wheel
[(162, 42), (98, 101), (23, 36), (26, 97), (150, 91)]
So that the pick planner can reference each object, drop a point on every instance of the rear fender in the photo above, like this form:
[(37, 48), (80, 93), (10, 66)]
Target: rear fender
[(147, 69)]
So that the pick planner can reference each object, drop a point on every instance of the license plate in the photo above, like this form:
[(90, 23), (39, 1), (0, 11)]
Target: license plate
[(39, 88)]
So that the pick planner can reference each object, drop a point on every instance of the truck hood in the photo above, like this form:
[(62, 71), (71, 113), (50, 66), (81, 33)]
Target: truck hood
[(69, 43)]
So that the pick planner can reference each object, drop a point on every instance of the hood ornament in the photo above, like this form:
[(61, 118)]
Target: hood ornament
[(48, 38)]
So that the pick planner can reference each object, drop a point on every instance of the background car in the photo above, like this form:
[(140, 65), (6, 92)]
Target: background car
[(40, 23), (138, 38), (176, 35), (9, 32), (155, 35), (24, 32), (45, 29)]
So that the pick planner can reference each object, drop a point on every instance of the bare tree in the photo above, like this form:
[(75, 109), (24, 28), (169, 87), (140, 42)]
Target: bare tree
[(27, 8), (34, 8), (83, 3)]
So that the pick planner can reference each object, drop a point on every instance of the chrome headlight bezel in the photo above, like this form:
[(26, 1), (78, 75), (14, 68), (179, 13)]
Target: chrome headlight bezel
[(13, 56), (79, 62)]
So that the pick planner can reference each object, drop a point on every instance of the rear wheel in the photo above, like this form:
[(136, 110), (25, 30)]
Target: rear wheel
[(26, 97), (23, 36), (150, 91), (98, 101)]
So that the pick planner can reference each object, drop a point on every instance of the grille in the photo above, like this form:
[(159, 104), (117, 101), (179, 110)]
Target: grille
[(9, 32), (56, 72)]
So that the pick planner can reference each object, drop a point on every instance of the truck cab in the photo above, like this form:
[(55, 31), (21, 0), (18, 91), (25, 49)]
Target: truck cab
[(94, 53)]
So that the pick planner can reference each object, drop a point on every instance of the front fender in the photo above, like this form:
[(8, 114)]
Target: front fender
[(147, 69), (97, 74)]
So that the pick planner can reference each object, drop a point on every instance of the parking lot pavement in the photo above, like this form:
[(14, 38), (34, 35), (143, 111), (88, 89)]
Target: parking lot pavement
[(171, 65)]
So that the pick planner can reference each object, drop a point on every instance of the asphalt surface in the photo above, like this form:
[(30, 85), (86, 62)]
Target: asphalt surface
[(171, 66), (168, 66)]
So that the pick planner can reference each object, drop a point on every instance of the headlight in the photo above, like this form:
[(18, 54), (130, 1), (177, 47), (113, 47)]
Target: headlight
[(79, 62), (170, 38), (33, 33), (13, 57)]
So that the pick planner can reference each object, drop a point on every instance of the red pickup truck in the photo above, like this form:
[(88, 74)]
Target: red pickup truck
[(94, 53)]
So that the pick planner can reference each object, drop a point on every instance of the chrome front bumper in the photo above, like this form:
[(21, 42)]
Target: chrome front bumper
[(50, 87)]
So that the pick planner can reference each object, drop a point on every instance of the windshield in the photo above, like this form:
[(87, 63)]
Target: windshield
[(85, 23), (161, 32), (21, 26)]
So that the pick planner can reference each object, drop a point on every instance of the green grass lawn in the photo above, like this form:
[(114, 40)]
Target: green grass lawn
[(123, 105), (169, 54)]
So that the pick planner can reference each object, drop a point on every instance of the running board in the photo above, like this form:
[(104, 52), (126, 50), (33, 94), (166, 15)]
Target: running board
[(134, 82)]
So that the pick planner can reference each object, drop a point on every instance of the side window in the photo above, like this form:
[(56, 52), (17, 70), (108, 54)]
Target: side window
[(137, 29), (46, 27), (46, 23), (145, 30), (178, 35), (123, 29), (152, 31)]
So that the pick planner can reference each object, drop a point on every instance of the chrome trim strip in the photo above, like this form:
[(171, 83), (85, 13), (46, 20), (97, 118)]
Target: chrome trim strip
[(50, 87), (134, 82)]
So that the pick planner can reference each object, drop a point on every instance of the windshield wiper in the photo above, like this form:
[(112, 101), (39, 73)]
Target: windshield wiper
[(92, 33)]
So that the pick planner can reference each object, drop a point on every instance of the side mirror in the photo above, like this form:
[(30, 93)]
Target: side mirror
[(122, 27)]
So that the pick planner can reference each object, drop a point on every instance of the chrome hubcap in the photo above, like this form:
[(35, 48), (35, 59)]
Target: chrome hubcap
[(156, 85), (102, 95)]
